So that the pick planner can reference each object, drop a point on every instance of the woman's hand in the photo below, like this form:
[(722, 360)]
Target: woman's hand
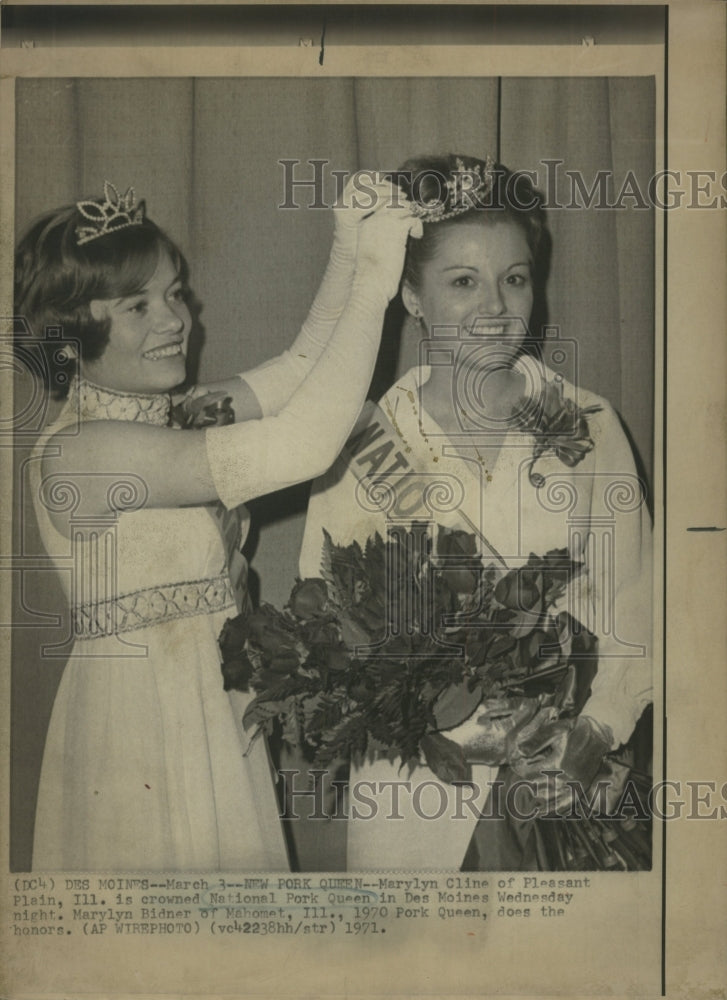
[(361, 197), (483, 737), (382, 243), (570, 749)]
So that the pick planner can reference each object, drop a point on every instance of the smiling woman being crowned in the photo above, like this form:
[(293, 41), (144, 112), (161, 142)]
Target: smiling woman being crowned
[(510, 465)]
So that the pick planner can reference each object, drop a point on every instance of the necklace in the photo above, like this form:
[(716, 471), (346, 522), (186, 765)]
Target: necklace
[(95, 402)]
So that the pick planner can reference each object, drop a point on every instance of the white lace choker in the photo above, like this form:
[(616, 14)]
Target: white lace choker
[(99, 403)]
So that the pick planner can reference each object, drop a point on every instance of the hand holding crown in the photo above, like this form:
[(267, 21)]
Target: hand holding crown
[(362, 196), (382, 240)]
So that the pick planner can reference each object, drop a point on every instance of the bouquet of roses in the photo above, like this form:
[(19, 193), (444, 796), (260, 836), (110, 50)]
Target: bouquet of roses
[(403, 638)]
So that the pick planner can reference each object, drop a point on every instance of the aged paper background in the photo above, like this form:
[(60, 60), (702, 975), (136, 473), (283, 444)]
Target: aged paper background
[(628, 925)]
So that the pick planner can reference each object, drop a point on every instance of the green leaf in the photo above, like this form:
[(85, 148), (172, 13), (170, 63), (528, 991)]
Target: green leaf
[(326, 715), (352, 633), (455, 704), (445, 758), (346, 739), (292, 732), (262, 712)]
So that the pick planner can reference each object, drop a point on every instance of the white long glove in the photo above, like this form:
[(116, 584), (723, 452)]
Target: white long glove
[(259, 456), (275, 381)]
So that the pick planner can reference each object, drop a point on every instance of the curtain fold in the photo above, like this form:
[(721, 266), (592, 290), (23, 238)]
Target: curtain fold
[(400, 118), (632, 114), (601, 289), (254, 265), (47, 147), (564, 119)]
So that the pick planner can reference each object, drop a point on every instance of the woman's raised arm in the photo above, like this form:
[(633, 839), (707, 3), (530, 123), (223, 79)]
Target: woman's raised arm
[(244, 460), (264, 390)]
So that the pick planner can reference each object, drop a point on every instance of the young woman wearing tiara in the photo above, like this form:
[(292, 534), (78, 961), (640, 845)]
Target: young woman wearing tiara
[(471, 283), (145, 766)]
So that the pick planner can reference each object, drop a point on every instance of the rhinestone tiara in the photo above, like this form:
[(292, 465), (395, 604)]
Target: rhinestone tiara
[(116, 211), (467, 188)]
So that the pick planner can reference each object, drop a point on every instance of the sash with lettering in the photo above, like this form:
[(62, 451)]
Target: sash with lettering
[(391, 480)]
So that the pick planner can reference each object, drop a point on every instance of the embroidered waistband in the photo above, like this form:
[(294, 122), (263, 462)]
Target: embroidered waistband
[(151, 607)]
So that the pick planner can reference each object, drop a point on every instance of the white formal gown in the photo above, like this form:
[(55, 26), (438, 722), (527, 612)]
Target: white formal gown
[(144, 765)]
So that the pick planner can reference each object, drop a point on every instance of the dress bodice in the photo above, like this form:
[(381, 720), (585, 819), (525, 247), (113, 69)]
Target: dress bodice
[(167, 555)]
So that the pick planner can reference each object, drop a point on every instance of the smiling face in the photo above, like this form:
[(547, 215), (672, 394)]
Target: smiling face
[(479, 281), (147, 344)]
